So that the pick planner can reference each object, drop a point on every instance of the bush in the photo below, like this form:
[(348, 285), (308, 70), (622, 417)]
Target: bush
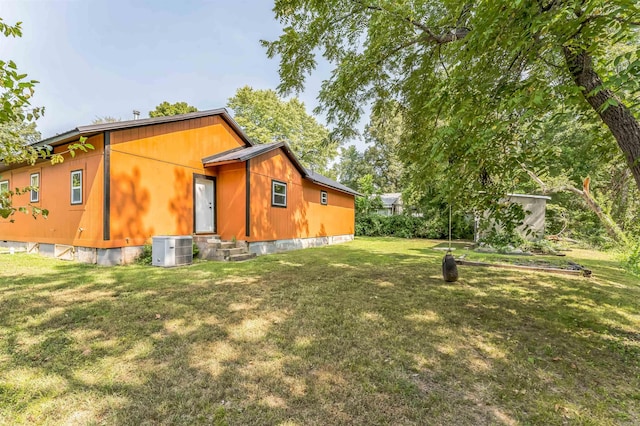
[(435, 226), (501, 239), (146, 256)]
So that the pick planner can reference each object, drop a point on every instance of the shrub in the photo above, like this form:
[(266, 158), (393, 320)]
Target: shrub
[(434, 226), (631, 259), (501, 239), (145, 257)]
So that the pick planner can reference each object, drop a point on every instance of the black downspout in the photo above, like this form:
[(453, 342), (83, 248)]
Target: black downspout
[(247, 224), (106, 189)]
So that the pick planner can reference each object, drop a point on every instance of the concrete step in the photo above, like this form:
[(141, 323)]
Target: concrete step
[(204, 238), (240, 257), (230, 251)]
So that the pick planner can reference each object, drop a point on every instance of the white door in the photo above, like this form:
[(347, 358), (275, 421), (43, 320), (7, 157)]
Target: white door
[(204, 205)]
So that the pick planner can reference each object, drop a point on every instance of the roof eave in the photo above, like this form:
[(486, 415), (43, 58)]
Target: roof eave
[(332, 187), (95, 129)]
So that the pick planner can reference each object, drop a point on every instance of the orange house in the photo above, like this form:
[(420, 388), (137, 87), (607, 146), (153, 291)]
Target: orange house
[(193, 174)]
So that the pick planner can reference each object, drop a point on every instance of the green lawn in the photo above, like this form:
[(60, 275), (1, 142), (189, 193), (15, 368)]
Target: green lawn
[(361, 333)]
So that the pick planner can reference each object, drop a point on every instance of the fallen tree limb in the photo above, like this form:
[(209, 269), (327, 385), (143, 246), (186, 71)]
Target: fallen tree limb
[(575, 272)]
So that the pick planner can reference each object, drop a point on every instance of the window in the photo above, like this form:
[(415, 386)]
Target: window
[(278, 194), (34, 196), (324, 198), (4, 186), (76, 187)]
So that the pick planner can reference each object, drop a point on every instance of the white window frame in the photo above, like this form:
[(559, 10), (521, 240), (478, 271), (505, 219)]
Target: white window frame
[(79, 173), (324, 198), (34, 194), (4, 183), (275, 183)]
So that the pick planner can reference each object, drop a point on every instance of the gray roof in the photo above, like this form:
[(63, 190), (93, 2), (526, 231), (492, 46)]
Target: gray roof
[(325, 181), (391, 198), (243, 154), (94, 129)]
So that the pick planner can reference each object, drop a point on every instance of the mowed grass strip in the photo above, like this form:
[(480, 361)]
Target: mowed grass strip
[(360, 333)]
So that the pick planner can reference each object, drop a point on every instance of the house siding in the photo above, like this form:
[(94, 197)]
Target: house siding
[(152, 170), (150, 192), (304, 216), (231, 200), (79, 225)]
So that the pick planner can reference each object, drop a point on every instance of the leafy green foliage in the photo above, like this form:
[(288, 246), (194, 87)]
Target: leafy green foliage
[(500, 239), (369, 202), (17, 128), (351, 167), (266, 118), (631, 259), (16, 90), (146, 256), (381, 157), (474, 81), (166, 109), (408, 226)]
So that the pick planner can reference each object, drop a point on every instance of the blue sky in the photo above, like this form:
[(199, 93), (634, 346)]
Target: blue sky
[(97, 58)]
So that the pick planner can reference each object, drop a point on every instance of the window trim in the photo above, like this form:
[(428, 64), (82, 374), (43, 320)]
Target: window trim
[(5, 181), (74, 203), (324, 198), (273, 193), (36, 198)]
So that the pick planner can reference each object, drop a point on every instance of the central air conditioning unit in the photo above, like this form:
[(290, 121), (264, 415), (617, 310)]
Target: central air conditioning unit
[(170, 250)]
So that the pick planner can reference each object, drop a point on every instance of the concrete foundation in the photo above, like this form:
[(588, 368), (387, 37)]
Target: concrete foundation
[(13, 244), (47, 250), (126, 255), (104, 257), (268, 247)]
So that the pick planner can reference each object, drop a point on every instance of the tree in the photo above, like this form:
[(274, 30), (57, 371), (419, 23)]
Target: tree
[(474, 80), (166, 109), (266, 118), (17, 128), (105, 119), (16, 112), (383, 135), (351, 167), (580, 159)]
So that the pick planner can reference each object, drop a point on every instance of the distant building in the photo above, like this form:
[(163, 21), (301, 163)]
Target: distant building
[(534, 207), (391, 204)]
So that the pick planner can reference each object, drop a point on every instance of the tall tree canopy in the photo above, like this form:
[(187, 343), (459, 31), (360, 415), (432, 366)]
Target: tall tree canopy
[(266, 118), (380, 160), (166, 109), (474, 79), (383, 135)]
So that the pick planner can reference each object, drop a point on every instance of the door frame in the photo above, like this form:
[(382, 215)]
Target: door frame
[(215, 202)]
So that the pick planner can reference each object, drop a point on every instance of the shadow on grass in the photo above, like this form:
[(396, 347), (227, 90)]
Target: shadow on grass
[(341, 335)]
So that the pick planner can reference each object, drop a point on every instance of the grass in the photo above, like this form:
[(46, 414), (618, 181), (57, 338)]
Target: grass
[(361, 333)]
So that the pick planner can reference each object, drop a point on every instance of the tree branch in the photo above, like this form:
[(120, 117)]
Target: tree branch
[(612, 228), (445, 37)]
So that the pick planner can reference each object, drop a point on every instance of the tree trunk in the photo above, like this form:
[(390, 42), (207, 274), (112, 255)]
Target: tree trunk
[(618, 118)]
